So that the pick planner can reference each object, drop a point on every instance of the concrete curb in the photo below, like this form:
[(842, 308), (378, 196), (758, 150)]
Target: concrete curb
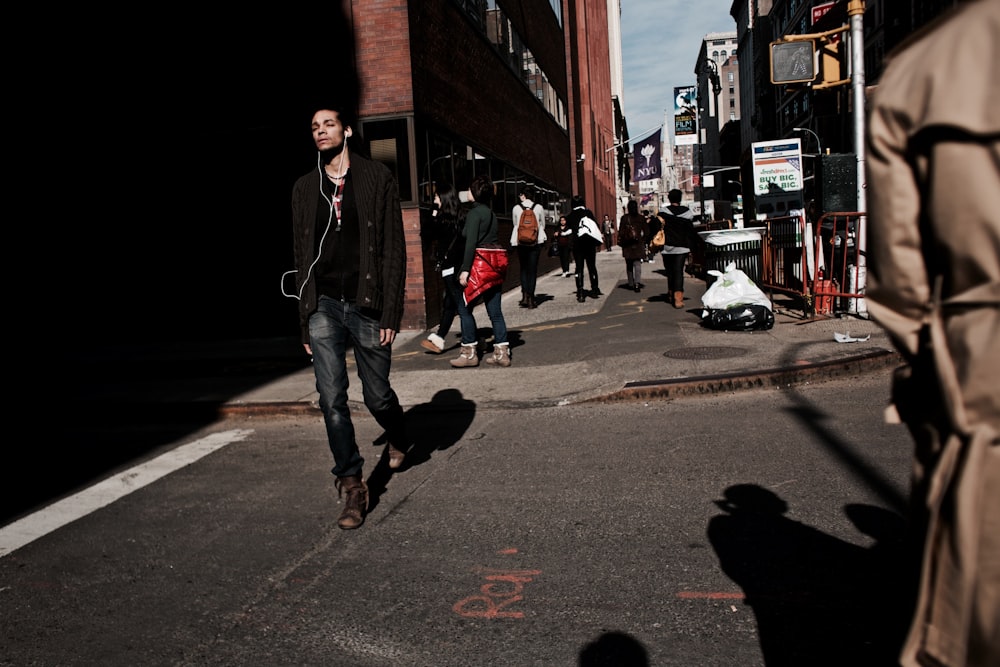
[(767, 378), (708, 385)]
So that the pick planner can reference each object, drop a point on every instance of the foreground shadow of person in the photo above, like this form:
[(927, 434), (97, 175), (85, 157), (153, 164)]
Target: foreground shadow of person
[(614, 649), (814, 595), (432, 426)]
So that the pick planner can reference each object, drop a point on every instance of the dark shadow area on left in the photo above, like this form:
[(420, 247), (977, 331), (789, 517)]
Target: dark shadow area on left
[(171, 155)]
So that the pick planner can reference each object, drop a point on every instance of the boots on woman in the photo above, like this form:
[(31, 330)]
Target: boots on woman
[(501, 355), (467, 358)]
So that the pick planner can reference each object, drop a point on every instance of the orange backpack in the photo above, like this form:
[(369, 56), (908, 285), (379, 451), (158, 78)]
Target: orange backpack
[(527, 227)]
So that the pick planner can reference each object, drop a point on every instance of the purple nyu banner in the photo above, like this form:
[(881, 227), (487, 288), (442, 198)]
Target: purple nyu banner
[(646, 158)]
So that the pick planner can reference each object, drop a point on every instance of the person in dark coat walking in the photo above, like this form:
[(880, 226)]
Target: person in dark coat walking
[(680, 236), (350, 277), (632, 233), (587, 238)]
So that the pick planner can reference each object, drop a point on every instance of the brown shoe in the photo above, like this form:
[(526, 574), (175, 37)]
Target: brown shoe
[(678, 299), (396, 458), (356, 502)]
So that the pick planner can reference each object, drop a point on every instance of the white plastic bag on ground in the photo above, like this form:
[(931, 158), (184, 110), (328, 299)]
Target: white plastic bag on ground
[(733, 288)]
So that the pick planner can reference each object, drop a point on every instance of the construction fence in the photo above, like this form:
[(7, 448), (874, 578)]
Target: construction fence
[(820, 263)]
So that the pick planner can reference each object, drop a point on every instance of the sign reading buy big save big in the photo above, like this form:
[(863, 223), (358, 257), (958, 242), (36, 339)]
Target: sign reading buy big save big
[(777, 166)]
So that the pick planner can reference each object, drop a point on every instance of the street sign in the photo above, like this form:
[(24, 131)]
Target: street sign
[(819, 10), (777, 166)]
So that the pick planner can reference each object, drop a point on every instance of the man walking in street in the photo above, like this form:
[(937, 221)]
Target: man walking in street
[(587, 239), (528, 237), (350, 263), (934, 284)]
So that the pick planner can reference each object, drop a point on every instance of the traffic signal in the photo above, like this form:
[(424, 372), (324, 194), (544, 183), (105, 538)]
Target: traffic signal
[(793, 62), (831, 64)]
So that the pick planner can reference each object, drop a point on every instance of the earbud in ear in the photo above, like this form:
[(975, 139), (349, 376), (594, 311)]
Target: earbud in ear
[(348, 132)]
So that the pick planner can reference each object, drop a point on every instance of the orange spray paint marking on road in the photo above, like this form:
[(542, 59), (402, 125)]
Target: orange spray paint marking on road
[(503, 588)]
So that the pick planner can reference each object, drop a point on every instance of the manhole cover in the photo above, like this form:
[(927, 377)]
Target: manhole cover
[(705, 352)]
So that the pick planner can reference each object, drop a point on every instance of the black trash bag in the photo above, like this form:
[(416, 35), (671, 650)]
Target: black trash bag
[(741, 317)]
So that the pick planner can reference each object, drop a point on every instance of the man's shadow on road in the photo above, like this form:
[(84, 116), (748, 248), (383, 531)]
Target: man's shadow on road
[(818, 600), (433, 426)]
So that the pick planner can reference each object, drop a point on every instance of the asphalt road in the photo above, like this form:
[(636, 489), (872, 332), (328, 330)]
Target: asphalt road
[(750, 529)]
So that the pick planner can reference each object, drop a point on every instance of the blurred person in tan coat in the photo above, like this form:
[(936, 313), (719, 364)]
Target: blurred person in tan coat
[(933, 166)]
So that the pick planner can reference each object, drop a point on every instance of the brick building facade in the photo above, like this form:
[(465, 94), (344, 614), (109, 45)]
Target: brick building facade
[(449, 89)]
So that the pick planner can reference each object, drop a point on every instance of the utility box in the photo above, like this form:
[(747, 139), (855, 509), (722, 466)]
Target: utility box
[(837, 183)]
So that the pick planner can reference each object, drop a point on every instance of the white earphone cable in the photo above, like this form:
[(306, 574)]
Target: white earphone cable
[(329, 222)]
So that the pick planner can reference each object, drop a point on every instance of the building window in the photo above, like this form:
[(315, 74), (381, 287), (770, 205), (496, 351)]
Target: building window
[(508, 43), (389, 143), (732, 78)]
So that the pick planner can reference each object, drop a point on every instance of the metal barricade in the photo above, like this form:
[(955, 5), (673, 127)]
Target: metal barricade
[(839, 277), (784, 255)]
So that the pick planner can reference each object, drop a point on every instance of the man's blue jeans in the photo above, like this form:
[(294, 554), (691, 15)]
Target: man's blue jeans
[(334, 326)]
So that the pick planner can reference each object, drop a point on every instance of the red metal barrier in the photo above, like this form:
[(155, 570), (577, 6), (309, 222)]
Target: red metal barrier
[(839, 276), (821, 265)]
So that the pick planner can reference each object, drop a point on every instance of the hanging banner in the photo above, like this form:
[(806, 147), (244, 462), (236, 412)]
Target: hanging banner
[(777, 166), (685, 125), (646, 158)]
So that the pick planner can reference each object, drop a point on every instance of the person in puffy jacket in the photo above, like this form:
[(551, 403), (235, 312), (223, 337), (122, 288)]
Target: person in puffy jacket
[(481, 231)]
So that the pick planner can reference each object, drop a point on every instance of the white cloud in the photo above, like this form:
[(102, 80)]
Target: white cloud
[(660, 43)]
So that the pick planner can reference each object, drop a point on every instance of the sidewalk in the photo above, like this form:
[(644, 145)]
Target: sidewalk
[(620, 346)]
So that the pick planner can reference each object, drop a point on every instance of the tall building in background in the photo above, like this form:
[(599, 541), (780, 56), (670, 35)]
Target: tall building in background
[(592, 118), (621, 150), (717, 105)]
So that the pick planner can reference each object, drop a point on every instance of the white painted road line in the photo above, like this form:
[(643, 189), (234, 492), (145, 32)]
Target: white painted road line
[(57, 515)]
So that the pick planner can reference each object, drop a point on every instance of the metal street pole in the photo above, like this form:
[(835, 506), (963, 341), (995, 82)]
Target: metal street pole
[(701, 154), (856, 12)]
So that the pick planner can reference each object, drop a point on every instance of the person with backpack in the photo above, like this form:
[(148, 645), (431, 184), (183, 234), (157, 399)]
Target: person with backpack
[(528, 237)]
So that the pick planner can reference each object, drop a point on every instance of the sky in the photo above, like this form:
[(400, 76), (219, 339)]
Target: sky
[(660, 42)]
